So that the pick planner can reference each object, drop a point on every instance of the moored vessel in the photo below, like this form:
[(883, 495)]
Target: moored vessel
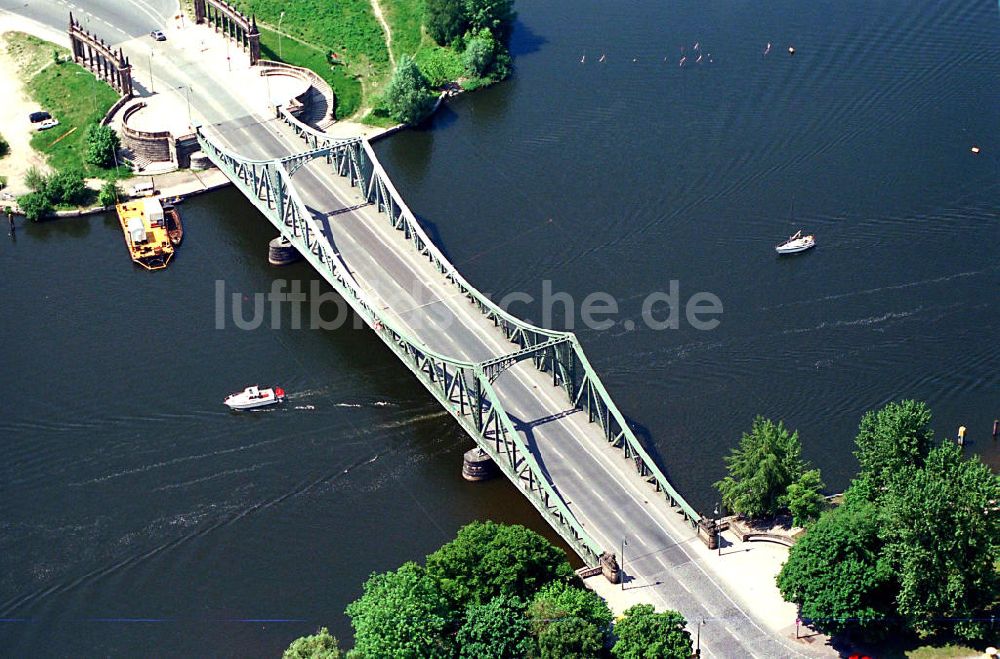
[(796, 243), (145, 230), (175, 230)]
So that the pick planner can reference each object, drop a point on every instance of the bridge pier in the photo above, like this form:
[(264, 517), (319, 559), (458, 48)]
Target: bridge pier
[(282, 252), (478, 466)]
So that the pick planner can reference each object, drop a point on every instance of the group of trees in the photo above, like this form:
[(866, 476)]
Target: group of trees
[(914, 546), (476, 29), (495, 591), (767, 474), (47, 191)]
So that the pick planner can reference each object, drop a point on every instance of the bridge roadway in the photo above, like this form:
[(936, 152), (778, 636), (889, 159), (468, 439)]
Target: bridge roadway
[(598, 485)]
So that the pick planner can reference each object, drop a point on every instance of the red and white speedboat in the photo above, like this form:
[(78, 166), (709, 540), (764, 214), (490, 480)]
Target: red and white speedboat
[(253, 397), (796, 243)]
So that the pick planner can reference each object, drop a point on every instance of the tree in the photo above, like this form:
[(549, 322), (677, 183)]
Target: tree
[(4, 147), (804, 498), (889, 440), (102, 144), (495, 630), (487, 559), (445, 20), (408, 98), (320, 645), (942, 535), (570, 638), (402, 613), (761, 468), (497, 16), (479, 54), (645, 634), (836, 573), (110, 193), (34, 205)]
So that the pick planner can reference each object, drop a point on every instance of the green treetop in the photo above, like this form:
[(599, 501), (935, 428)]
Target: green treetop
[(942, 533), (767, 460), (321, 645), (645, 634), (402, 614), (408, 97), (488, 559)]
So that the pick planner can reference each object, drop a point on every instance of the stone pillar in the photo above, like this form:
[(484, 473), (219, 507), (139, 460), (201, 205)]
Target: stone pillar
[(126, 71), (477, 465), (199, 11), (253, 40), (610, 569)]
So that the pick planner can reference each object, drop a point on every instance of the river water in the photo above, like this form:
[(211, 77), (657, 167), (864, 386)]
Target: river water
[(138, 516)]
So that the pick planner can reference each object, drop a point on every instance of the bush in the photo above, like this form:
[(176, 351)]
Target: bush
[(408, 98), (3, 182), (35, 205), (439, 65), (4, 147), (479, 53), (643, 632), (110, 193), (34, 179), (102, 145), (66, 187)]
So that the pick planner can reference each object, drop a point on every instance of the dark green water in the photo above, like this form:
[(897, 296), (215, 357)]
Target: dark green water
[(138, 517)]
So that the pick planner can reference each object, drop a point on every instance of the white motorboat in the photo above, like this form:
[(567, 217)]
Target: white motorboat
[(796, 243), (253, 397)]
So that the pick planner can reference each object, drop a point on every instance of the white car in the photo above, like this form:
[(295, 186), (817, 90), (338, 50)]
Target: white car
[(48, 123)]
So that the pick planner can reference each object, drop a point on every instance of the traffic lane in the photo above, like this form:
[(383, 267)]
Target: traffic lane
[(112, 20)]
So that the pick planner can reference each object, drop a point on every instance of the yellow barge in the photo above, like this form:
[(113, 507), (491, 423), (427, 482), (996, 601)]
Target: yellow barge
[(146, 232)]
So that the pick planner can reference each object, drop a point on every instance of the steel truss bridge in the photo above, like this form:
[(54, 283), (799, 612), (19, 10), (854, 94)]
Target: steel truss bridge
[(466, 389)]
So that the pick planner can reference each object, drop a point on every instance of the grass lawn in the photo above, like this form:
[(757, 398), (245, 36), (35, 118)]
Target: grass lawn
[(405, 18), (346, 88), (70, 93)]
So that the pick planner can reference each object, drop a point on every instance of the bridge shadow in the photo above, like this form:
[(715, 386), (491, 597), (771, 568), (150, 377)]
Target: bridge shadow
[(528, 429)]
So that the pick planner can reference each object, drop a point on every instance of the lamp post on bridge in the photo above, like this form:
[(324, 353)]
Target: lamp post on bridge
[(697, 649), (718, 529), (622, 566), (151, 89)]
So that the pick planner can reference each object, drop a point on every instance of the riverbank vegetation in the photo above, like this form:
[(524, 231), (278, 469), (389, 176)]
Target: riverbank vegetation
[(495, 591), (767, 474), (914, 548), (449, 40)]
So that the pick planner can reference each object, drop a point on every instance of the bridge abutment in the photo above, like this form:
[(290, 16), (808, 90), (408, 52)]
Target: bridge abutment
[(282, 252)]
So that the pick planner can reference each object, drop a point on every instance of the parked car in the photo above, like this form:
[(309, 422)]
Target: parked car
[(41, 115), (47, 124), (158, 35)]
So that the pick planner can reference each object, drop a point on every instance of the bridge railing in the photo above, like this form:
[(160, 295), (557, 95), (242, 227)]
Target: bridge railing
[(463, 388)]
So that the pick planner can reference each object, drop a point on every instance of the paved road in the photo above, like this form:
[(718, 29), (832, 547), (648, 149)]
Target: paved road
[(598, 485), (113, 20)]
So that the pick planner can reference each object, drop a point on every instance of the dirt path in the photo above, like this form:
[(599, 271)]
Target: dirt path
[(15, 127), (388, 33)]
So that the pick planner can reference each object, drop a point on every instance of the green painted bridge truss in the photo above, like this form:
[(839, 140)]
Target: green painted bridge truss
[(465, 389)]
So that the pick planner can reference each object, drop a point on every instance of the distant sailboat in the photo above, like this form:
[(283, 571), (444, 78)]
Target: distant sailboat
[(768, 49), (602, 58), (583, 59), (683, 59)]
